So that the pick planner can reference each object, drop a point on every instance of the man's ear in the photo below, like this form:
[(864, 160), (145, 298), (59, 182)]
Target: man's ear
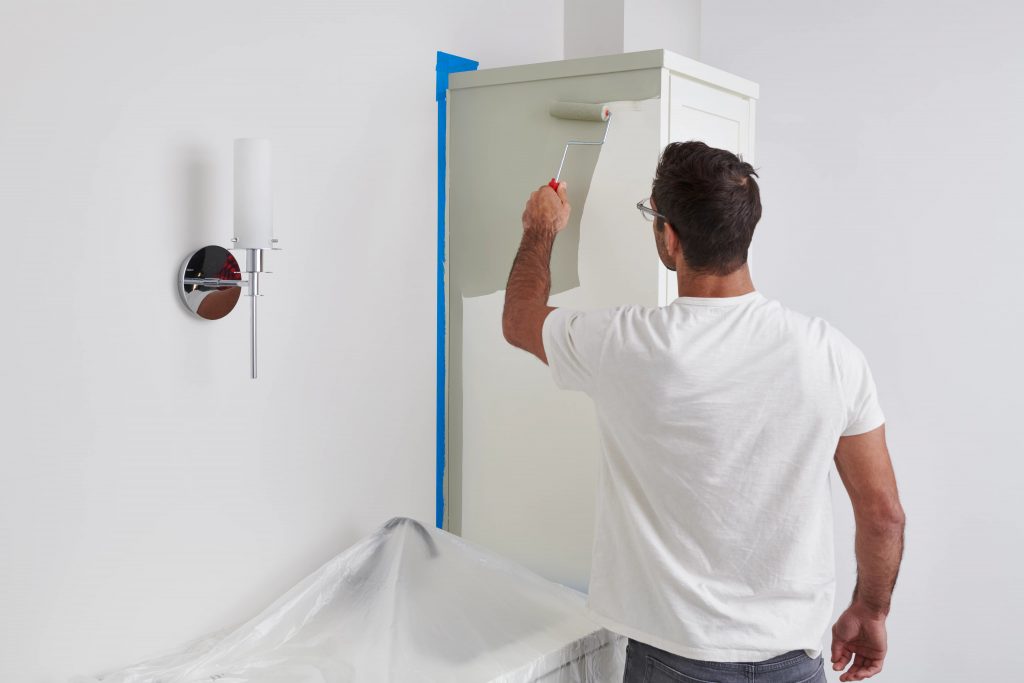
[(671, 239)]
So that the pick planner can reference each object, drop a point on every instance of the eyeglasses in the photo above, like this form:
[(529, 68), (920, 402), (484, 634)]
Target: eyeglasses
[(647, 212)]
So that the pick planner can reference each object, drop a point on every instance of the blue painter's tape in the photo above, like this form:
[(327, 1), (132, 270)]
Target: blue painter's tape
[(446, 64)]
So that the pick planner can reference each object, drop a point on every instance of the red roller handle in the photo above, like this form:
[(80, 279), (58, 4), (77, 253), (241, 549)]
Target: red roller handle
[(553, 185)]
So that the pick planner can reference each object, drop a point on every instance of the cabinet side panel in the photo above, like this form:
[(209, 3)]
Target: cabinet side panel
[(529, 454)]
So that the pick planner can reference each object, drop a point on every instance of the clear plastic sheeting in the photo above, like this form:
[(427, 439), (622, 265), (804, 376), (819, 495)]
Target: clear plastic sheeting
[(409, 603)]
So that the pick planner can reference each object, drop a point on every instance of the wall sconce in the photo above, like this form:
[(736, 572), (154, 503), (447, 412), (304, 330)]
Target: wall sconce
[(210, 281)]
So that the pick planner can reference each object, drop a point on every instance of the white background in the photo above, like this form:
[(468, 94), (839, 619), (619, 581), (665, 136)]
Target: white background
[(890, 154), (149, 492)]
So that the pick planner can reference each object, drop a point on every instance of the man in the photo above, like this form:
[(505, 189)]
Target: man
[(720, 415)]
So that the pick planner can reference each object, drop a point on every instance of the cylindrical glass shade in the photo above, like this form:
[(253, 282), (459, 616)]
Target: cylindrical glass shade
[(254, 197)]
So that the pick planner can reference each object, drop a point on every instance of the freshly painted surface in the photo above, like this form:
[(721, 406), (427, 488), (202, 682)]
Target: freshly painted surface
[(503, 144)]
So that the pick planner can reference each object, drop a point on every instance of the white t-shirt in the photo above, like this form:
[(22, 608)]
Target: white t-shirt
[(719, 421)]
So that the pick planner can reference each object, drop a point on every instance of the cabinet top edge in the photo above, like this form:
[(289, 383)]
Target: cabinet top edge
[(586, 66)]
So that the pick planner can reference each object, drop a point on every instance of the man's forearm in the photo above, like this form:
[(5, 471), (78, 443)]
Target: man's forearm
[(529, 283), (879, 548), (530, 279)]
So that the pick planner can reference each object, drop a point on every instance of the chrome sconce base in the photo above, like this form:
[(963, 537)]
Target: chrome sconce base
[(210, 283)]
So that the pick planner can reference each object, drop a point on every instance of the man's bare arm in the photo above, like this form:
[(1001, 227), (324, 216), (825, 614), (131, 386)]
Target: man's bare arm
[(529, 283), (866, 470)]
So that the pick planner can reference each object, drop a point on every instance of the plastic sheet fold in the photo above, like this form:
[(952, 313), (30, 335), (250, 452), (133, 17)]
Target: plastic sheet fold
[(408, 603)]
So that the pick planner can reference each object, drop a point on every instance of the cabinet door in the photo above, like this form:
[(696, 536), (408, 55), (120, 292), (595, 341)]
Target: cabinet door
[(698, 111)]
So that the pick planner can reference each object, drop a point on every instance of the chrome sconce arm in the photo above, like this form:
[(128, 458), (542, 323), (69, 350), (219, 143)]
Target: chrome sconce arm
[(210, 283)]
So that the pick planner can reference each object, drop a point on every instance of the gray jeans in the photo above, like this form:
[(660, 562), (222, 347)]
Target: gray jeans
[(646, 664)]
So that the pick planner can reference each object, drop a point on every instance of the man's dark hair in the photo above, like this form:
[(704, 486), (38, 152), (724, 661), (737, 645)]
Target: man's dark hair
[(712, 201)]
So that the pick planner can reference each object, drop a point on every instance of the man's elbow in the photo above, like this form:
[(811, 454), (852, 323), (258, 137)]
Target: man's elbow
[(896, 517), (509, 327), (888, 515)]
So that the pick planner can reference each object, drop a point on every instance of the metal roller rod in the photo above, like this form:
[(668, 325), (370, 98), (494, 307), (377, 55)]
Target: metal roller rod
[(582, 142)]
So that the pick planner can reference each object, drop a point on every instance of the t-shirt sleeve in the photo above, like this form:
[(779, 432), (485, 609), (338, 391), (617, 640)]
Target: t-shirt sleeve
[(573, 344), (863, 411)]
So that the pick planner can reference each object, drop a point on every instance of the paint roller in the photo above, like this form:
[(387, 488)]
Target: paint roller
[(579, 111)]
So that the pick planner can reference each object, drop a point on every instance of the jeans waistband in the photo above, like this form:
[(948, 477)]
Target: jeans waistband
[(772, 664)]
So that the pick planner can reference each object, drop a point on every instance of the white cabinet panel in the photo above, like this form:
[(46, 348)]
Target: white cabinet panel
[(717, 117)]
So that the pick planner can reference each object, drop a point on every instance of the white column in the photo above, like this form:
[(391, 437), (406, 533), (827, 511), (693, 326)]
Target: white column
[(662, 24), (593, 27), (602, 27)]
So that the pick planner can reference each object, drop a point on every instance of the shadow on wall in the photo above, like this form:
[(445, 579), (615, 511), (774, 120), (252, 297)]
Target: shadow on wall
[(194, 171), (195, 226)]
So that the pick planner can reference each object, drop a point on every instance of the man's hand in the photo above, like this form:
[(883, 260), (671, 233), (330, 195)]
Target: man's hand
[(858, 635), (546, 211)]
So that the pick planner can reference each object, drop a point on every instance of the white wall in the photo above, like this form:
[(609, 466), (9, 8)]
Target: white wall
[(890, 155), (149, 491)]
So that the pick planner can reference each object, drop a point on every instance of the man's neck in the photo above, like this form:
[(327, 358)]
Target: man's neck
[(735, 283)]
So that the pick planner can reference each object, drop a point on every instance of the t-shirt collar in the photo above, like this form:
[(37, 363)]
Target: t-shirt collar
[(717, 300)]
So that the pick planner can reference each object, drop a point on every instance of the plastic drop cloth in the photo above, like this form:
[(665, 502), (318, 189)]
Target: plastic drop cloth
[(409, 603)]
